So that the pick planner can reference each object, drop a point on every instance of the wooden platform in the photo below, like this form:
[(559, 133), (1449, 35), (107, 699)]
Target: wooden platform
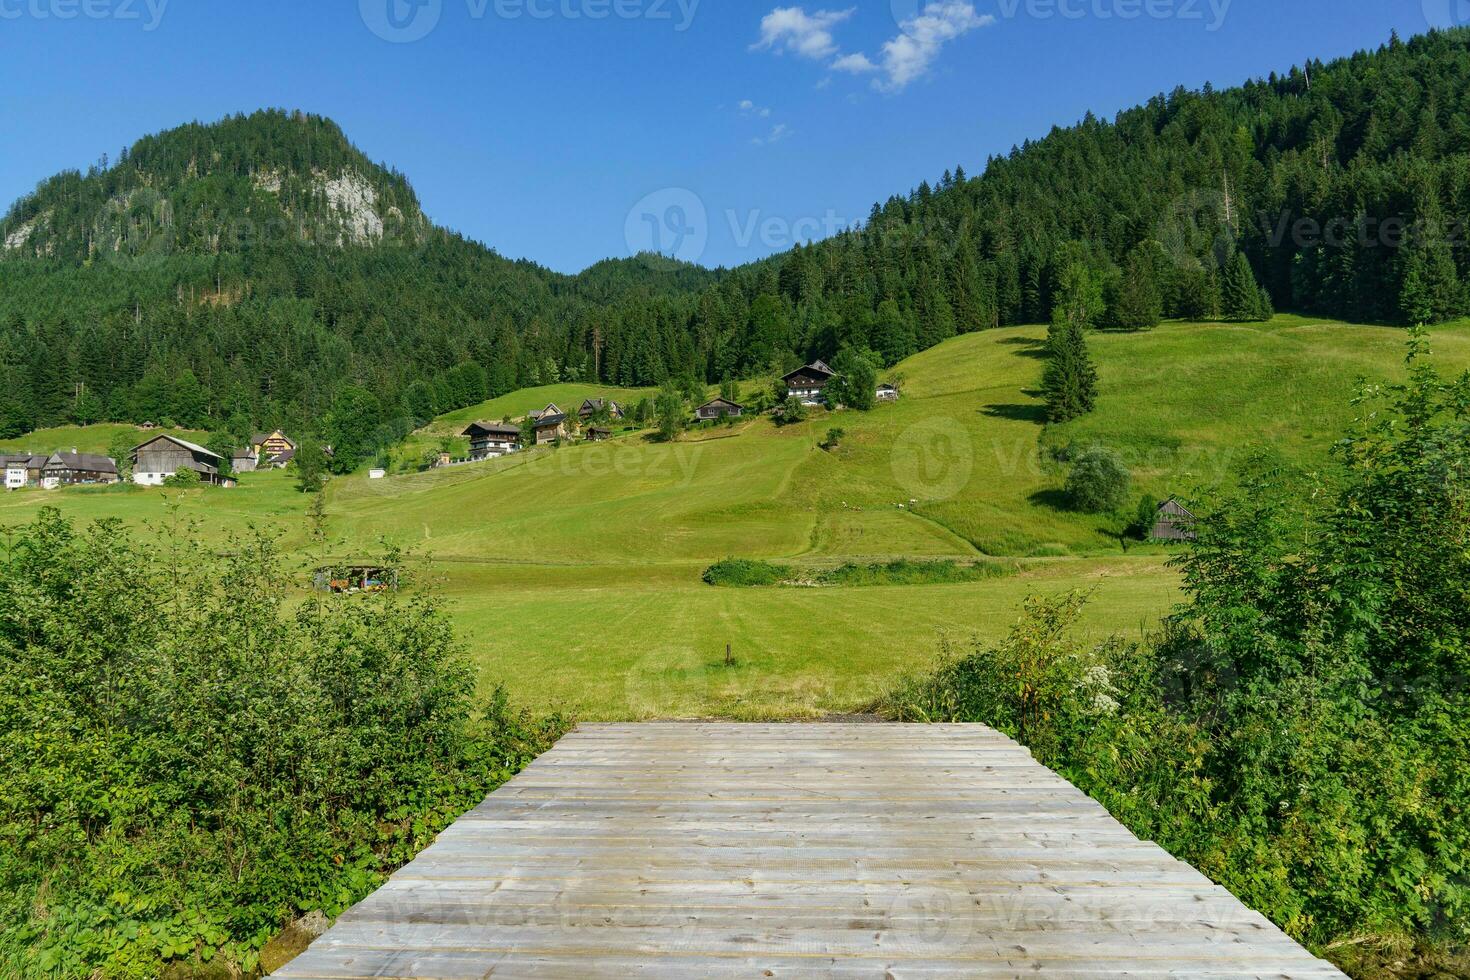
[(712, 850)]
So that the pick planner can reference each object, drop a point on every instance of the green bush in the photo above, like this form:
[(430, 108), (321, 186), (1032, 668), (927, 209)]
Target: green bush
[(1098, 481), (744, 572), (906, 571), (188, 760), (182, 480)]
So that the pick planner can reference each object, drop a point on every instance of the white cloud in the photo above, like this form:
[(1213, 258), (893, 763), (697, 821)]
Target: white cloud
[(857, 64), (778, 133), (911, 54), (808, 35), (749, 108)]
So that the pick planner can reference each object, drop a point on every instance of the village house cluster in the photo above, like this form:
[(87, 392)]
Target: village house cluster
[(153, 462), (492, 440)]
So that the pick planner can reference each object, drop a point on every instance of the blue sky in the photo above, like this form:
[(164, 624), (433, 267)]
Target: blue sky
[(566, 131)]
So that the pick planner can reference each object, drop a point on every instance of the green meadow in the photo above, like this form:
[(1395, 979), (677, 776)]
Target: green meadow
[(574, 574)]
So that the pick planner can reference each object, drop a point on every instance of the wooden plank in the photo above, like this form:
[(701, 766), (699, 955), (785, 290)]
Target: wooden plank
[(709, 850)]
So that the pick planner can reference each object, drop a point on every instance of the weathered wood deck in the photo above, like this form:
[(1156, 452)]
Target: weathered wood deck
[(714, 850)]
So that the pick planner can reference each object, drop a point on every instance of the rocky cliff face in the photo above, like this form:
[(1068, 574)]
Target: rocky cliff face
[(246, 182)]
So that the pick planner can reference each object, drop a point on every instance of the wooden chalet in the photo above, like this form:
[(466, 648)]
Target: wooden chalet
[(78, 469), (161, 457), (550, 428), (719, 408), (491, 440), (268, 444), (809, 383), (598, 435), (1174, 522), (273, 449), (22, 470), (592, 406), (549, 410)]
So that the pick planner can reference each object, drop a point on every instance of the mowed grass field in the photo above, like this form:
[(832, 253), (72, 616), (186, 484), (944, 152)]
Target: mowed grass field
[(574, 574)]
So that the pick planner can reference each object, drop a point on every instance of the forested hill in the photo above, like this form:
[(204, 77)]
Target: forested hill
[(253, 269), (260, 268)]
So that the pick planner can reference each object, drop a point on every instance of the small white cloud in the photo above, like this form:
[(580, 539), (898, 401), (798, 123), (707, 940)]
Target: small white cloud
[(749, 108), (778, 133), (808, 35), (856, 64), (913, 52)]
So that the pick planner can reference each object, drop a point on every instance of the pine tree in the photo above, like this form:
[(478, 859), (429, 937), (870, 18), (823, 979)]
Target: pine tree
[(1140, 304), (1241, 296), (1070, 380)]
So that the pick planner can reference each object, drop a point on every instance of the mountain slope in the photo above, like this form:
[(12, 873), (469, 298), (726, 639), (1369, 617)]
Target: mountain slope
[(260, 269)]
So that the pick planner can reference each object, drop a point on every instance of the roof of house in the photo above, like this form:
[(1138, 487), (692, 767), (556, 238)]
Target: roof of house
[(244, 453), (551, 409), (594, 431), (492, 428), (546, 421), (89, 462), (30, 460), (887, 387), (815, 367), (260, 437), (193, 447), (593, 404), (717, 402), (1174, 508), (283, 457)]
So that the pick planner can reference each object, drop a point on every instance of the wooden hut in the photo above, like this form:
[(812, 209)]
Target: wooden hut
[(1174, 522)]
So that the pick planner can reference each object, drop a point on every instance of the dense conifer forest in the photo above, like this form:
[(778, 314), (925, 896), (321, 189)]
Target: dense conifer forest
[(261, 268)]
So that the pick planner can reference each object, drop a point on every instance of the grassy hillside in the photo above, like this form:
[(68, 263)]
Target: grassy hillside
[(89, 438), (574, 574)]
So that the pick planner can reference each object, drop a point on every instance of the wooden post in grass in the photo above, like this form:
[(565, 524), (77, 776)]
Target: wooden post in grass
[(729, 656)]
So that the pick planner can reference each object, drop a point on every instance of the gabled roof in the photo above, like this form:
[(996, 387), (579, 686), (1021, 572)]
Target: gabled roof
[(193, 447), (88, 462), (717, 402), (492, 429), (1174, 508), (545, 421), (815, 367), (551, 409)]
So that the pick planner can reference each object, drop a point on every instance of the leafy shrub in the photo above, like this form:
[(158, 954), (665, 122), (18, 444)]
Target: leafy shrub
[(791, 411), (905, 571), (1098, 481), (744, 572), (188, 760), (182, 480)]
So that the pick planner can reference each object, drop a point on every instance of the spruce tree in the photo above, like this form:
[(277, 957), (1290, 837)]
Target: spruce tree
[(1140, 303), (1241, 300), (1070, 381)]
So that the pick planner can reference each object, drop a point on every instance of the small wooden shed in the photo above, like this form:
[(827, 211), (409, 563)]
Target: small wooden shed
[(1174, 522)]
